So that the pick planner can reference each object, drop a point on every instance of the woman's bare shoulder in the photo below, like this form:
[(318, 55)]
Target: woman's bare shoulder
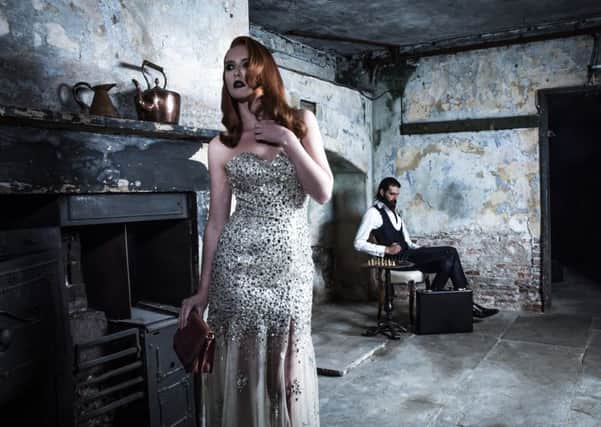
[(217, 149), (307, 117)]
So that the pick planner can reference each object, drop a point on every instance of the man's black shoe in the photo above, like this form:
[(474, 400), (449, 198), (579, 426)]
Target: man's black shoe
[(482, 312), (476, 312)]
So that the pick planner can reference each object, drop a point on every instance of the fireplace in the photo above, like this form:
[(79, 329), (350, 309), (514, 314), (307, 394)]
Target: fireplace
[(118, 265), (99, 228)]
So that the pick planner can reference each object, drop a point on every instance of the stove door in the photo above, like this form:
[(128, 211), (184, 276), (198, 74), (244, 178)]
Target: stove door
[(170, 389)]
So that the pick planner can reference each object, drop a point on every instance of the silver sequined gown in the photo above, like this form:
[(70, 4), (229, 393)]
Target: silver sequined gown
[(260, 303)]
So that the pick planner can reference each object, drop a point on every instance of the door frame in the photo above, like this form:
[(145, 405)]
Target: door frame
[(542, 105)]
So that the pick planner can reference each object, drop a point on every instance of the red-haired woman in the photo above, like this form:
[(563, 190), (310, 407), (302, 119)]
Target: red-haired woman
[(257, 270)]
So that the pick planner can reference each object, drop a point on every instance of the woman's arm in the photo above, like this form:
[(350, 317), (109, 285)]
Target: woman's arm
[(219, 210), (309, 156)]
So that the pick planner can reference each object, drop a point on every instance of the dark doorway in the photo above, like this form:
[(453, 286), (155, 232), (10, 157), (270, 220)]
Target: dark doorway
[(571, 185)]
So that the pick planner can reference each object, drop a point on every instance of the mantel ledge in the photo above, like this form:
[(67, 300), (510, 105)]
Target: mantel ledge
[(19, 116)]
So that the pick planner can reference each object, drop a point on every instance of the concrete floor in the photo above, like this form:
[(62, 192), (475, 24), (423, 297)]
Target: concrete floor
[(515, 369)]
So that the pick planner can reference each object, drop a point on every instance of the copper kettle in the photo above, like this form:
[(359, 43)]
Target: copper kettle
[(156, 104), (101, 103)]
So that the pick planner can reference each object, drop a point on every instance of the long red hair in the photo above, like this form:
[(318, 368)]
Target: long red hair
[(263, 76)]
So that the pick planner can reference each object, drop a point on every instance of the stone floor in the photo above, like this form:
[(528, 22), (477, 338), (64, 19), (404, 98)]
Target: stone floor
[(515, 369)]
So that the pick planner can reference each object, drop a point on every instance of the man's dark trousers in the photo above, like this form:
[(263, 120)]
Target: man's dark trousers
[(442, 260)]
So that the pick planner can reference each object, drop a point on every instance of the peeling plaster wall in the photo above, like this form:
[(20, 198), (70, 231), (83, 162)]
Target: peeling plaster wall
[(480, 191), (48, 45), (387, 118), (344, 116), (296, 56), (493, 82)]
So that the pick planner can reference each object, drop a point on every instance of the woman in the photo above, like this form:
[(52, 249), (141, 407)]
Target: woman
[(257, 271)]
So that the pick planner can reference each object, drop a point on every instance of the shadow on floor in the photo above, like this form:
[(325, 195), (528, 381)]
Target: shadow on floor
[(515, 369)]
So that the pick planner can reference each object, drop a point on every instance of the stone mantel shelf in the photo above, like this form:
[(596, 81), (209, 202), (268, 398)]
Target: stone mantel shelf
[(17, 116)]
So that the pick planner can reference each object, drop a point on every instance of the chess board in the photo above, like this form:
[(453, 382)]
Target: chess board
[(387, 263)]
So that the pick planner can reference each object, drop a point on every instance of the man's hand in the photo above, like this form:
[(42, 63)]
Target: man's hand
[(393, 249)]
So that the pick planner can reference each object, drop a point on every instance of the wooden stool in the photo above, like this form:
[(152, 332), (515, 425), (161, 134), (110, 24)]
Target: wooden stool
[(403, 270), (411, 278)]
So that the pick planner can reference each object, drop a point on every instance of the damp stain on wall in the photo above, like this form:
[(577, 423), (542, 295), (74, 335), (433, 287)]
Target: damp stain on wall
[(410, 159)]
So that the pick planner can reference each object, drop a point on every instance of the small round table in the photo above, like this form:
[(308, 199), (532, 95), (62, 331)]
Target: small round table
[(387, 326)]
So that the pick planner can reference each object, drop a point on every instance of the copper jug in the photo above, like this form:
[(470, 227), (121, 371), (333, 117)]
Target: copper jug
[(156, 104), (101, 103)]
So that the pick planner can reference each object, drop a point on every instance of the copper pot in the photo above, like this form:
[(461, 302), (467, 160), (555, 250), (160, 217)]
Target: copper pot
[(156, 104), (101, 103)]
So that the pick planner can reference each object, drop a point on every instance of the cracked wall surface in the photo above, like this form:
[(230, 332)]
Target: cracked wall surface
[(494, 82), (48, 45), (480, 191)]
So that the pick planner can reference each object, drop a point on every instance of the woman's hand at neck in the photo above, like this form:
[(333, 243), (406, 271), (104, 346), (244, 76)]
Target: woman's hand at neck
[(249, 120)]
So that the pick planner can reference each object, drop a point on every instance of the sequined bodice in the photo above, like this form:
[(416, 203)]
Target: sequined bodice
[(265, 188), (262, 270)]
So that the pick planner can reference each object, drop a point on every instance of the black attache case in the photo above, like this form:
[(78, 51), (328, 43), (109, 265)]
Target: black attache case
[(443, 312)]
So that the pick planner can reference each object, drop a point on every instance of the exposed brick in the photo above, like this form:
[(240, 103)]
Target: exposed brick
[(503, 270)]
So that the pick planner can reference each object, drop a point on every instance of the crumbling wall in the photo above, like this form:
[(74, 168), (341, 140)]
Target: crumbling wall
[(46, 46), (480, 191)]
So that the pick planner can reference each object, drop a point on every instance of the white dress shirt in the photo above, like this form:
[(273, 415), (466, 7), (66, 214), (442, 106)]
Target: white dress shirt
[(373, 220)]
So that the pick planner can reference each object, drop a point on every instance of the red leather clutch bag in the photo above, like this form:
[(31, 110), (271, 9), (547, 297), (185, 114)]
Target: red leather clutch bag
[(195, 344)]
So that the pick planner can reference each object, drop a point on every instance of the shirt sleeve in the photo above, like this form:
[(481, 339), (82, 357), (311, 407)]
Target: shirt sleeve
[(407, 238), (370, 221)]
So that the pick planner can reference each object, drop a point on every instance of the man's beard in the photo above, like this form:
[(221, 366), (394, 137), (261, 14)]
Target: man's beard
[(390, 204)]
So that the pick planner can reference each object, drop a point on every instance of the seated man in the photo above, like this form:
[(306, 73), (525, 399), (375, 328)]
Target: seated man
[(393, 240)]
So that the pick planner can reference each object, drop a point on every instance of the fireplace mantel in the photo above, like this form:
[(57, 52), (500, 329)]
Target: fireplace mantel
[(52, 152), (47, 119)]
